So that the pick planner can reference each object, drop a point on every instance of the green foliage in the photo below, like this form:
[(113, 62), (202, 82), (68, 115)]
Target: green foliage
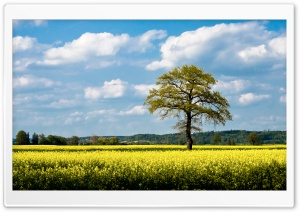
[(253, 139), (229, 137), (35, 139), (22, 138), (217, 139), (108, 141), (186, 93), (43, 140), (56, 140), (230, 141), (237, 137)]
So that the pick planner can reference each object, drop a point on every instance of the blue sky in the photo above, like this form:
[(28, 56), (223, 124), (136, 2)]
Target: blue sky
[(79, 77)]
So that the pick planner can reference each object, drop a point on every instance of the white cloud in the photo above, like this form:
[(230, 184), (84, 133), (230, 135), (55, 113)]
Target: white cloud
[(143, 42), (31, 81), (20, 43), (110, 89), (22, 64), (273, 48), (160, 64), (218, 44), (136, 110), (62, 103), (249, 98), (143, 89), (278, 45), (233, 86), (91, 45), (192, 44), (253, 52), (87, 45), (282, 99)]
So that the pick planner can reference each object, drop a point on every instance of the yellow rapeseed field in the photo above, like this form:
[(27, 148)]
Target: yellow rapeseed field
[(149, 168)]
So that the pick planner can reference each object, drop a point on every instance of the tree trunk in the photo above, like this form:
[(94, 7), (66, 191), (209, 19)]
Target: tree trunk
[(188, 131)]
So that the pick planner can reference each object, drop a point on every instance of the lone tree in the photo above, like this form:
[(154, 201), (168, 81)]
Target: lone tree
[(186, 93)]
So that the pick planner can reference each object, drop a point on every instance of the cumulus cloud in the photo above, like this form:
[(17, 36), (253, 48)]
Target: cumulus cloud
[(222, 42), (31, 81), (20, 43), (143, 89), (91, 45), (110, 89), (249, 98), (253, 52), (278, 45), (88, 44), (233, 86), (136, 110)]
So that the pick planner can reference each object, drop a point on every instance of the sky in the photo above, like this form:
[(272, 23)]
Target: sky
[(80, 77)]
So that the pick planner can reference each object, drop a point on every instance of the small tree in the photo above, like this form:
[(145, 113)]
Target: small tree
[(22, 138), (35, 139), (186, 93), (253, 138)]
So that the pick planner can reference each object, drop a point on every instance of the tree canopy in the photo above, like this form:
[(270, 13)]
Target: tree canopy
[(22, 138), (253, 138), (186, 93)]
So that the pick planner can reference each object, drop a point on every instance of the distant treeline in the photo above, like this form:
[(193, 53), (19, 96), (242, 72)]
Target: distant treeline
[(229, 137)]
